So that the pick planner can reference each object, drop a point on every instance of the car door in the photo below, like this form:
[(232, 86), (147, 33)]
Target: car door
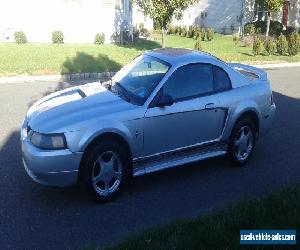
[(192, 119)]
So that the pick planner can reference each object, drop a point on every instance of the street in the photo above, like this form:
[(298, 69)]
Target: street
[(33, 216)]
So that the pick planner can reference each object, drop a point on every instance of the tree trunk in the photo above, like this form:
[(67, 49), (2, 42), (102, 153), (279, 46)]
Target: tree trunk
[(163, 37), (268, 23)]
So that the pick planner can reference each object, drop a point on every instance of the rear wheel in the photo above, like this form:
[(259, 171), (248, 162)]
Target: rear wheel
[(106, 170), (242, 141)]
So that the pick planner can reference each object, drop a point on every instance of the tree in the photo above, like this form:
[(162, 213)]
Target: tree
[(163, 11), (271, 6)]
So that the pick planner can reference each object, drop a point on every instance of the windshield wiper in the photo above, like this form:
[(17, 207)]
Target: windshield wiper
[(123, 91)]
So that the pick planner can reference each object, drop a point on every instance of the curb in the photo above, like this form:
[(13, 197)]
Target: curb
[(276, 65), (66, 77), (107, 75)]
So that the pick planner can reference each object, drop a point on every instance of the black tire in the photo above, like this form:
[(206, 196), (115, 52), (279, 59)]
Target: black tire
[(92, 165), (233, 149)]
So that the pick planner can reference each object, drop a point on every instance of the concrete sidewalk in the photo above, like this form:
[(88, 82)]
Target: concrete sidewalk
[(106, 75)]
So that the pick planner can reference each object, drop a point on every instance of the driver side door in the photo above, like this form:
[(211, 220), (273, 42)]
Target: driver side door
[(191, 120)]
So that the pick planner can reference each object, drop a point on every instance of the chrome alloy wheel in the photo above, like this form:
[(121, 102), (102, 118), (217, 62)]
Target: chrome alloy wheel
[(107, 173), (243, 143)]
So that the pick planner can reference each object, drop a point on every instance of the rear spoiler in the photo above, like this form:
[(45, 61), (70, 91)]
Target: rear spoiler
[(249, 71)]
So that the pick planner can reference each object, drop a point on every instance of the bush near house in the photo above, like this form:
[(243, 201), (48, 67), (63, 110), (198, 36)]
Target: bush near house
[(57, 37), (294, 44), (276, 27), (282, 45), (203, 34), (250, 29), (20, 37), (235, 39), (270, 46), (99, 38), (210, 34), (257, 46), (198, 45), (183, 31)]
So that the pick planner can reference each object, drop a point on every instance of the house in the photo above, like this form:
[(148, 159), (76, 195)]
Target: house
[(79, 20), (229, 16)]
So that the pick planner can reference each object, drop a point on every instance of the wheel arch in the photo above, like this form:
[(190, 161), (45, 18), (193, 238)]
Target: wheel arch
[(250, 113), (105, 137)]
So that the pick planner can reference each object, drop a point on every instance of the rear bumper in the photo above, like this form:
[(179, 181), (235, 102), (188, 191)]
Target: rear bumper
[(51, 167), (267, 119)]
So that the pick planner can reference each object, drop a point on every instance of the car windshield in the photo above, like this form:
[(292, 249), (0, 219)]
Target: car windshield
[(138, 79)]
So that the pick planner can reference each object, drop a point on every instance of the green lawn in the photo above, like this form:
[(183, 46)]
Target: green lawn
[(40, 59), (220, 230)]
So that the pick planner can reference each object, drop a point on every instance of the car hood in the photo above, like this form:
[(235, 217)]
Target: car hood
[(69, 109)]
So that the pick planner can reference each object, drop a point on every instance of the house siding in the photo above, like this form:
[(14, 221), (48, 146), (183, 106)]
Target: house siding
[(79, 20), (223, 16)]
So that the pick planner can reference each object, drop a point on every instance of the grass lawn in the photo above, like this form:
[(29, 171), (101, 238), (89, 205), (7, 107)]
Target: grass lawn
[(40, 59), (281, 210)]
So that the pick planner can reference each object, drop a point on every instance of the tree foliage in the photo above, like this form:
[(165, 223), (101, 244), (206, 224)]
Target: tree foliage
[(163, 11), (271, 6)]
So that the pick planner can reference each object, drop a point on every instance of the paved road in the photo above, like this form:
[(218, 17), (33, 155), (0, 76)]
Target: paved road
[(34, 216)]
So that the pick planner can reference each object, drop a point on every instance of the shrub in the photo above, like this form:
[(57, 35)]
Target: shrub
[(203, 34), (210, 34), (198, 44), (190, 33), (248, 41), (282, 45), (183, 31), (144, 32), (257, 46), (135, 34), (172, 30), (261, 27), (288, 31), (235, 39), (57, 37), (294, 44), (99, 38), (270, 46), (250, 29), (197, 32), (20, 37)]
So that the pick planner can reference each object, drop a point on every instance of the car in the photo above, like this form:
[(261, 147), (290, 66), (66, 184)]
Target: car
[(166, 108)]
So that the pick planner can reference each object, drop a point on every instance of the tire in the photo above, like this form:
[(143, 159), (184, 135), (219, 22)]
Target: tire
[(106, 170), (242, 142)]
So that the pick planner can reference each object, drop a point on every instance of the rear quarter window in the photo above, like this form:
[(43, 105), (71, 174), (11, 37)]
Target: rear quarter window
[(221, 80)]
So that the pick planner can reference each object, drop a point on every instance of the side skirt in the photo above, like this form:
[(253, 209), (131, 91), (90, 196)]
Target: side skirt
[(175, 158)]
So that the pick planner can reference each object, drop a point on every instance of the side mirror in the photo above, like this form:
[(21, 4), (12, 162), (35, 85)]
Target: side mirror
[(165, 100)]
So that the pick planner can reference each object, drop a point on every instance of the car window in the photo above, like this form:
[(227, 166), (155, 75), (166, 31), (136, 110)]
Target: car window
[(190, 81), (141, 76), (221, 79)]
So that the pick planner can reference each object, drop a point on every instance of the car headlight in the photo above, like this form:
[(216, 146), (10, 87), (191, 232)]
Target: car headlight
[(48, 141)]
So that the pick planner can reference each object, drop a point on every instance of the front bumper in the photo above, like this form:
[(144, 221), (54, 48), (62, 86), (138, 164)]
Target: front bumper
[(51, 167)]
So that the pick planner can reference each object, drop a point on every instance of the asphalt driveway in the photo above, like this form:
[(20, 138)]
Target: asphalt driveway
[(38, 217)]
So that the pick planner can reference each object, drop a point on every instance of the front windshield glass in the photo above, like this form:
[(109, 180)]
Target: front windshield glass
[(140, 77)]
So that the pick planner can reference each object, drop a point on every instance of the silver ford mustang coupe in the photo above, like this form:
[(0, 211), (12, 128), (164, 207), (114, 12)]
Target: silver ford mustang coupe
[(166, 108)]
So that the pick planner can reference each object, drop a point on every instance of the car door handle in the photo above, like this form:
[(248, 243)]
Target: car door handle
[(209, 106)]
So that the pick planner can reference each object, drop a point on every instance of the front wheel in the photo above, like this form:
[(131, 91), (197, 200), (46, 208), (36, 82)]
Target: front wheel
[(242, 142), (106, 170)]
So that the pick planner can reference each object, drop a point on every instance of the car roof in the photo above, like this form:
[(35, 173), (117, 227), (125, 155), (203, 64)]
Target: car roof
[(175, 56)]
